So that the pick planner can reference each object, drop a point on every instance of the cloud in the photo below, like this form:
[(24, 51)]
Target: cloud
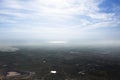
[(57, 11), (102, 24), (8, 49), (55, 19)]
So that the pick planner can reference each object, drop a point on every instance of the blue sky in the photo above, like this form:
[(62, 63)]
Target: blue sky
[(59, 21)]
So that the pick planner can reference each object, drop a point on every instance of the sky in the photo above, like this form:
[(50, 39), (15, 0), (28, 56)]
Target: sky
[(59, 22)]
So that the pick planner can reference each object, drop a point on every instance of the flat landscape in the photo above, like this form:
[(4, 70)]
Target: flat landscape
[(70, 63)]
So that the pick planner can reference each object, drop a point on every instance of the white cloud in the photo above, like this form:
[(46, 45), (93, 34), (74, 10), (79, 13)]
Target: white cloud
[(102, 16), (6, 20), (64, 7), (55, 7), (4, 48), (60, 10), (14, 4), (102, 24)]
